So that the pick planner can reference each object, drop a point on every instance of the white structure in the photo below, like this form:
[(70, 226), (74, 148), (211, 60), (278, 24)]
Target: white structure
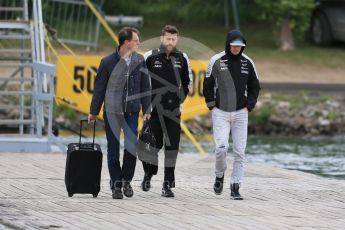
[(25, 79)]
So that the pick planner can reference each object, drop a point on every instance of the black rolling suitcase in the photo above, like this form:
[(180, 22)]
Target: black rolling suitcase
[(83, 167)]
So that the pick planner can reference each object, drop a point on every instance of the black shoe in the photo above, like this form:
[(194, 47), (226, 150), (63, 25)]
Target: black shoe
[(117, 193), (166, 191), (146, 183), (127, 189), (234, 192), (218, 185)]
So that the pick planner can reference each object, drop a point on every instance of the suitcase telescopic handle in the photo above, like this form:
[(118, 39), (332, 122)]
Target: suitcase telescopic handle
[(94, 132)]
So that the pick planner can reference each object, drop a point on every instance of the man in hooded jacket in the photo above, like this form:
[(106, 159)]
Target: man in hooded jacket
[(231, 89)]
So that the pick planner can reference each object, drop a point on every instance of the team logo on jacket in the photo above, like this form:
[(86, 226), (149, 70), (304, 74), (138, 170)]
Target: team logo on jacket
[(177, 64), (244, 69), (223, 65), (157, 64)]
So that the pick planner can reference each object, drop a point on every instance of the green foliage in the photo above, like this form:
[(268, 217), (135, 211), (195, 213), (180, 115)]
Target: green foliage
[(199, 12), (300, 99), (332, 115), (162, 11), (27, 100), (298, 11), (261, 116), (211, 13), (65, 112), (324, 98), (297, 101)]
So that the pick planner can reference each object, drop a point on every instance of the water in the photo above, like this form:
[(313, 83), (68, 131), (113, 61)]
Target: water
[(323, 156), (318, 155)]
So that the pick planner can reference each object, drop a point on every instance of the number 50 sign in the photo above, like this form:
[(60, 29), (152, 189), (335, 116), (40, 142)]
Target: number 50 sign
[(75, 84)]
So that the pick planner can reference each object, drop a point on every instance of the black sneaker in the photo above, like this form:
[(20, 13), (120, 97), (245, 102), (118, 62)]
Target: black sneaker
[(218, 185), (234, 191), (146, 183), (117, 193), (166, 191), (127, 189)]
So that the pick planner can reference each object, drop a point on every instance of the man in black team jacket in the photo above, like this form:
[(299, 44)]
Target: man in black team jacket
[(170, 77), (123, 84), (231, 89)]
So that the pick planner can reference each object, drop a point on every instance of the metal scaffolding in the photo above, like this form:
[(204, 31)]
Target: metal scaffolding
[(26, 81)]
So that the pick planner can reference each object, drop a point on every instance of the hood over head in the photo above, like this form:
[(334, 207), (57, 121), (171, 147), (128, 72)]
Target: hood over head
[(235, 37)]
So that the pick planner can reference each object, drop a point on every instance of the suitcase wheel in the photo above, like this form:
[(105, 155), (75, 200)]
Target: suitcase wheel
[(95, 195), (70, 194)]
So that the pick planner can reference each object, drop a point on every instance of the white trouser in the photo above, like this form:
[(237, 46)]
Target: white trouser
[(223, 123)]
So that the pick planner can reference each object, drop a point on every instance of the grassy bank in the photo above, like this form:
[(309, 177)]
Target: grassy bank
[(261, 39), (262, 43)]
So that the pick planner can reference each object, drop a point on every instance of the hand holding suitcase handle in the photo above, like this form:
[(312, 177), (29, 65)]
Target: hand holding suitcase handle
[(94, 131)]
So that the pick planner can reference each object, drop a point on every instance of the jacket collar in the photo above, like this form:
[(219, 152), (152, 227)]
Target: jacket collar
[(162, 49), (117, 54)]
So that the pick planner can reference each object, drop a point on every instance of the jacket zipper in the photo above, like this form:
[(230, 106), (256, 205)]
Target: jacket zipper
[(215, 91), (127, 76)]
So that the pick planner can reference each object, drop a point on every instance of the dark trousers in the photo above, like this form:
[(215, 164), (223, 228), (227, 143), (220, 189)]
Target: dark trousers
[(166, 130), (113, 125)]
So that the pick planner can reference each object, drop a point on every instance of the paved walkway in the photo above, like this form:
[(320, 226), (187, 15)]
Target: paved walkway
[(33, 196)]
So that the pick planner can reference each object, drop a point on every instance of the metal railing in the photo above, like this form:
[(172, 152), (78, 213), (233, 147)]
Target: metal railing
[(27, 82), (16, 58), (14, 10), (74, 22), (44, 99)]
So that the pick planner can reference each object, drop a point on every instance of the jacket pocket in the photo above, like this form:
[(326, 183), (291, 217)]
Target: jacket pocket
[(217, 98), (118, 78), (113, 101)]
